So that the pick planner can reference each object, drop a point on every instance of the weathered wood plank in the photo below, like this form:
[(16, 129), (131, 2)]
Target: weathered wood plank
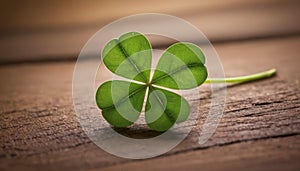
[(39, 128), (37, 34), (62, 14), (281, 155)]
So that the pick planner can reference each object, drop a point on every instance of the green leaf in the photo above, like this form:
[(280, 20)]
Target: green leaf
[(129, 56), (121, 101), (181, 66), (164, 108)]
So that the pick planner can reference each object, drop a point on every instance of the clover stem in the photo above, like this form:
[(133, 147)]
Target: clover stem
[(243, 79)]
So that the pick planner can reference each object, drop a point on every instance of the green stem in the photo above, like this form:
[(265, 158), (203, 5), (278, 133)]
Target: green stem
[(243, 79)]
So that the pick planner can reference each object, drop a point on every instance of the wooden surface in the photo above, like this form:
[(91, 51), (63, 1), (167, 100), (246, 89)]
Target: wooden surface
[(36, 33), (260, 129)]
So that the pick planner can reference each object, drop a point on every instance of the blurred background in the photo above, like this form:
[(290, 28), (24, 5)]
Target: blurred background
[(57, 30), (40, 41)]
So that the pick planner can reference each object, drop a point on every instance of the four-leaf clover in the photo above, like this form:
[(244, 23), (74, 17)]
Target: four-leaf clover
[(180, 67)]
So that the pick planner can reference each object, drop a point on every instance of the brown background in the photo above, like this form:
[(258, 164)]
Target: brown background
[(40, 41)]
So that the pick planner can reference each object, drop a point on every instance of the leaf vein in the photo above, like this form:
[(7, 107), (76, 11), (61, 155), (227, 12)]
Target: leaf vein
[(136, 67), (191, 65), (170, 117), (124, 98)]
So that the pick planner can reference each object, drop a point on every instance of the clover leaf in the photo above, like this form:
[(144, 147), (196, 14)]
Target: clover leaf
[(181, 66)]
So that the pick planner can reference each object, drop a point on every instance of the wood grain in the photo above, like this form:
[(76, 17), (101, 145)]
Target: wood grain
[(259, 130), (271, 154)]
